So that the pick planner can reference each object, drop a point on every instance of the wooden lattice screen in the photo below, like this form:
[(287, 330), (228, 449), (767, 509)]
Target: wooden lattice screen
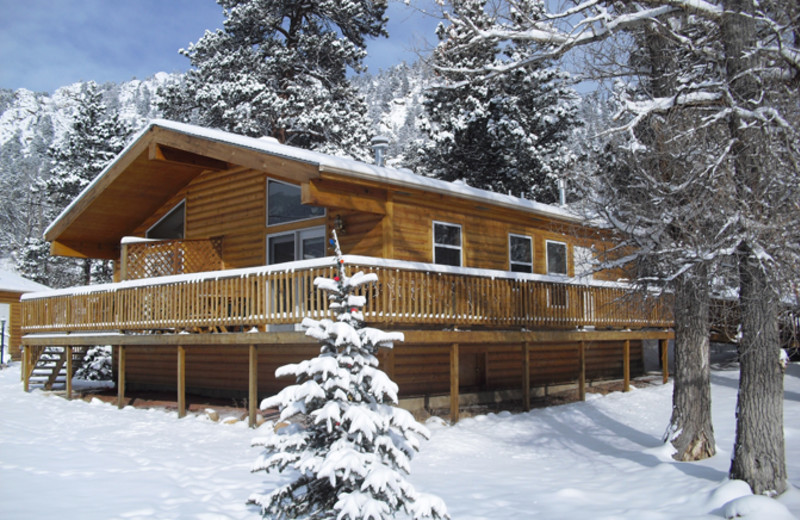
[(168, 257)]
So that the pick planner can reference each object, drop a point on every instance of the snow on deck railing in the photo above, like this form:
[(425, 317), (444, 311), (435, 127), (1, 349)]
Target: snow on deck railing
[(350, 260), (407, 293)]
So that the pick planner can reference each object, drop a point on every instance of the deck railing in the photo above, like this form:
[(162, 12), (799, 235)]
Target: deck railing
[(406, 295), (153, 258)]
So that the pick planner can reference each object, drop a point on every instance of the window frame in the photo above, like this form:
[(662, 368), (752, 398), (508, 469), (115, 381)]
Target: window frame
[(296, 234), (165, 217), (435, 245), (512, 262), (266, 188), (547, 257)]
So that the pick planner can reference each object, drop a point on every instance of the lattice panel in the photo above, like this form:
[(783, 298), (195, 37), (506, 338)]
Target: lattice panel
[(168, 257)]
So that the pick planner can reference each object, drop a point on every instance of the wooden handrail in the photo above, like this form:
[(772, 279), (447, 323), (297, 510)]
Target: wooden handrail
[(403, 297)]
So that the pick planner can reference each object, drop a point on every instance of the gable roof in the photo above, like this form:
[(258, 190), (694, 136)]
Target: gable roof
[(14, 283), (165, 156)]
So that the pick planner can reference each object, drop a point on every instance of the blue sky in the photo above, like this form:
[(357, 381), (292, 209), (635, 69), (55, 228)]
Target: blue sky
[(45, 44)]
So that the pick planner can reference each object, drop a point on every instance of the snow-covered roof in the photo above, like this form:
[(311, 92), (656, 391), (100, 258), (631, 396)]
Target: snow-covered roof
[(12, 282), (339, 165), (108, 208), (358, 169)]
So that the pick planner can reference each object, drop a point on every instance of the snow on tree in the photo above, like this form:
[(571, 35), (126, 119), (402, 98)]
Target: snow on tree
[(279, 68), (740, 90), (94, 139), (506, 133), (344, 444), (394, 99), (97, 365)]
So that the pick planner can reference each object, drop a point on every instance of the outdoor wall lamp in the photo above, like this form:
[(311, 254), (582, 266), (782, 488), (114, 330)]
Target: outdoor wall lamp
[(338, 224)]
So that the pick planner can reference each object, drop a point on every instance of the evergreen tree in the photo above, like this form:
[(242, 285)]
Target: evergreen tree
[(279, 68), (346, 447), (94, 139), (506, 133), (736, 130), (97, 365)]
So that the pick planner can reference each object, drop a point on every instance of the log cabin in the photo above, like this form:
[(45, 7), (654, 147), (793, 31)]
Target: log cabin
[(12, 287), (217, 239)]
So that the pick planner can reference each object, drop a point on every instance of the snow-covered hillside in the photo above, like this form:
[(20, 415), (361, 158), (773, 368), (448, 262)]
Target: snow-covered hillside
[(600, 459), (27, 116)]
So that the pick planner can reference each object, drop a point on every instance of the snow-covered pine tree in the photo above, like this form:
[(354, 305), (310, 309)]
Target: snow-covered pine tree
[(97, 365), (346, 447), (743, 88), (95, 138), (279, 68), (506, 133)]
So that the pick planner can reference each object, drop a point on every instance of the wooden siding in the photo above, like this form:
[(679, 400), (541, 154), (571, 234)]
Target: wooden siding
[(14, 324), (363, 232), (418, 369), (377, 221), (407, 219)]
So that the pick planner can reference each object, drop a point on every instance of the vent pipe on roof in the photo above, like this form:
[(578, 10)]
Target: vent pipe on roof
[(379, 145), (562, 191)]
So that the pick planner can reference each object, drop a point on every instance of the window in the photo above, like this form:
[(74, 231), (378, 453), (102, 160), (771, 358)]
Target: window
[(520, 254), (446, 244), (302, 244), (284, 206), (171, 225), (556, 258)]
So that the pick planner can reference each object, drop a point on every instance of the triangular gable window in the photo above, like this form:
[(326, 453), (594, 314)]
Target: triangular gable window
[(171, 225)]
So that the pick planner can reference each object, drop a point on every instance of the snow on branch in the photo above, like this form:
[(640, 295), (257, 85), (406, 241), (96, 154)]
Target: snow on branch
[(343, 444)]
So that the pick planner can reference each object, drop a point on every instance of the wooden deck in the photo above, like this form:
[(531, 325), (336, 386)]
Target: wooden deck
[(464, 328), (407, 295)]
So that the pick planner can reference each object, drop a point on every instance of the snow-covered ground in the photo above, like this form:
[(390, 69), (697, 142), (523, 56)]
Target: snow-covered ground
[(601, 459)]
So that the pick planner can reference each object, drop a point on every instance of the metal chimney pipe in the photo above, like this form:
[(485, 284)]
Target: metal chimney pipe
[(562, 191), (380, 144)]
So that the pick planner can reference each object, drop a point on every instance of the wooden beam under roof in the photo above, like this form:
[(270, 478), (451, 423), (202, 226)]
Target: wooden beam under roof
[(238, 155), (337, 195), (168, 154), (84, 250)]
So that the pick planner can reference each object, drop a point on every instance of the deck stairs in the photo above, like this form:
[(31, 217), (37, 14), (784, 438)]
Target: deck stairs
[(50, 368)]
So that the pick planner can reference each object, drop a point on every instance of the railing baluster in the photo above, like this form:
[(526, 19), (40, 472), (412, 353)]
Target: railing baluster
[(407, 296)]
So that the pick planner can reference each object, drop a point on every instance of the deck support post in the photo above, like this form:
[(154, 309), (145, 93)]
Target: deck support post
[(582, 371), (454, 383), (26, 370), (120, 376), (252, 386), (526, 376), (69, 371), (181, 381), (626, 365), (664, 344)]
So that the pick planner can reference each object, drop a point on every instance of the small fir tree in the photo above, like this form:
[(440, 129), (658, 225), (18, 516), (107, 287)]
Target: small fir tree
[(97, 365), (346, 447)]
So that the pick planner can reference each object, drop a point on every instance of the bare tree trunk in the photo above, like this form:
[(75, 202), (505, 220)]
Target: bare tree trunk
[(691, 431), (759, 456)]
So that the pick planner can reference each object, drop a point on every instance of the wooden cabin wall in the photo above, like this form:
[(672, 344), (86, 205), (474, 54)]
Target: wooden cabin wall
[(14, 323), (232, 204), (484, 231), (418, 369), (362, 234), (229, 204)]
